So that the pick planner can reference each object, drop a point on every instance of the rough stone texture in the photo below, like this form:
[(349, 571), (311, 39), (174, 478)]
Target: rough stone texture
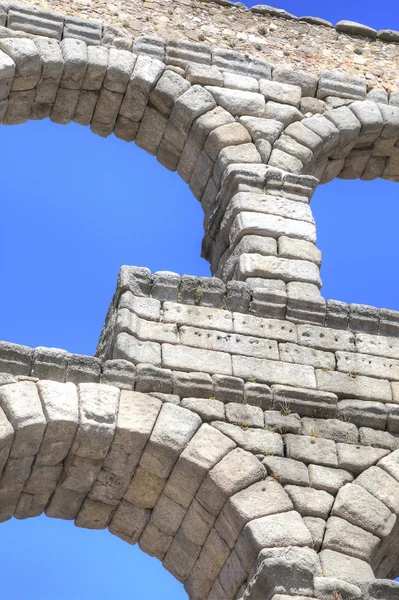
[(228, 424)]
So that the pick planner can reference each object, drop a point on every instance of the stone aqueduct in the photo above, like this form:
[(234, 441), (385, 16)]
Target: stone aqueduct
[(240, 428)]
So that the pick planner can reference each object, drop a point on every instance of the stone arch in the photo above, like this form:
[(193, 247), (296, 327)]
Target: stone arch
[(154, 473), (356, 140), (361, 533)]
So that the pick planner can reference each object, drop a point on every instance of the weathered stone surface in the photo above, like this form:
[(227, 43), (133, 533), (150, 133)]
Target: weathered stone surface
[(354, 504), (309, 502), (327, 479), (253, 440), (311, 450), (286, 470), (98, 406), (22, 407), (286, 529), (236, 471), (60, 407), (357, 458)]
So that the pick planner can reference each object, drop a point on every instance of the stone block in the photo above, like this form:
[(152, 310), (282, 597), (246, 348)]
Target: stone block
[(173, 423), (275, 421), (358, 458), (253, 440), (188, 385), (15, 359), (98, 405), (239, 102), (273, 267), (342, 566), (60, 407), (136, 351), (270, 298), (237, 414), (65, 503), (180, 52), (382, 486), (119, 373), (285, 529), (311, 450), (259, 500), (83, 369), (194, 359), (304, 401), (49, 363), (136, 418), (286, 470), (307, 356), (232, 343), (390, 464), (228, 389), (165, 93), (299, 250), (196, 526), (331, 429), (181, 556), (22, 407), (207, 409), (236, 471), (26, 58), (146, 74), (165, 286), (204, 74), (75, 57), (258, 394), (357, 506), (151, 130), (287, 570), (7, 71), (283, 113), (97, 57), (119, 70), (362, 317), (379, 439), (152, 46), (309, 502), (357, 386), (153, 379), (363, 414), (285, 93), (198, 316), (337, 314), (335, 83), (377, 345), (342, 536), (317, 528), (266, 371), (87, 30), (35, 21), (306, 81), (94, 515), (231, 134)]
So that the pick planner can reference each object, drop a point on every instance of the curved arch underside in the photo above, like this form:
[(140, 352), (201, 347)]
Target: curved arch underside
[(194, 495), (237, 501)]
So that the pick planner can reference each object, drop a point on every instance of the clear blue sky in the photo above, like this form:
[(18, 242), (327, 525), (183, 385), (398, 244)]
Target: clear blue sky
[(75, 208)]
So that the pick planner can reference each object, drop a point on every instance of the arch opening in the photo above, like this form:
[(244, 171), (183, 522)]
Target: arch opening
[(61, 561), (356, 232), (81, 208)]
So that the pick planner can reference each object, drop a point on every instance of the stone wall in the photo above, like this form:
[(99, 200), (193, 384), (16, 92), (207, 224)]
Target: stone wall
[(241, 428), (309, 44)]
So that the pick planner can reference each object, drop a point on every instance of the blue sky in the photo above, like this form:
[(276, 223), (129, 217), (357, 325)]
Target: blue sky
[(75, 208)]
